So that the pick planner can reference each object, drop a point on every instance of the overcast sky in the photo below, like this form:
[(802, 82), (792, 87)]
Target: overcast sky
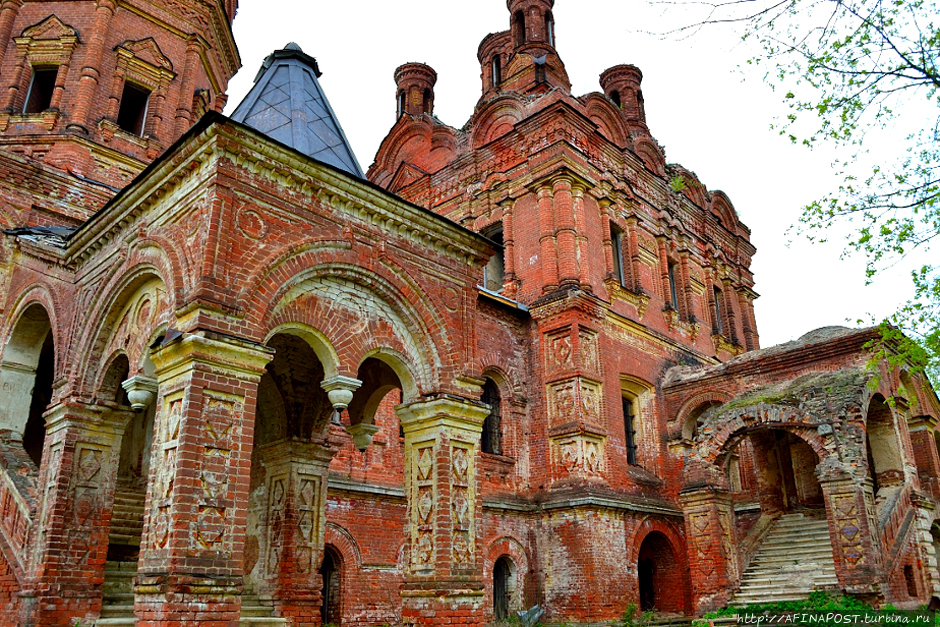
[(710, 116)]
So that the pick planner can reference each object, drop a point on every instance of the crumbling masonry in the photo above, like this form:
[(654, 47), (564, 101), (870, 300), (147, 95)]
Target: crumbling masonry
[(512, 364)]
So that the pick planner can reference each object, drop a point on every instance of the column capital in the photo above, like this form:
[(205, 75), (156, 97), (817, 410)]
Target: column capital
[(443, 411), (232, 355)]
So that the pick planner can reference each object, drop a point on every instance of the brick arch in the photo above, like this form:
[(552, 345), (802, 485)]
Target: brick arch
[(317, 341), (415, 312), (488, 123), (167, 262), (745, 420), (516, 552), (609, 120), (505, 378), (104, 383), (92, 342), (687, 414), (345, 544), (399, 363), (676, 543), (38, 293)]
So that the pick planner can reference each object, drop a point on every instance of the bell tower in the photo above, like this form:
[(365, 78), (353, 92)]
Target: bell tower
[(96, 89)]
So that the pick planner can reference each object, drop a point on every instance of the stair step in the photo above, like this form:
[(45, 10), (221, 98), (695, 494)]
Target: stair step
[(128, 621), (252, 621)]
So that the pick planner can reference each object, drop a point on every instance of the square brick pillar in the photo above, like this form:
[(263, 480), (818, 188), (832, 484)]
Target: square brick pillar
[(192, 552), (296, 486), (80, 458), (713, 556), (444, 572), (853, 531)]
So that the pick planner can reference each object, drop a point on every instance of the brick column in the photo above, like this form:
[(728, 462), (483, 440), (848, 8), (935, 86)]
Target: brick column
[(509, 256), (549, 259), (565, 235), (444, 575), (853, 531), (184, 110), (192, 552), (580, 224), (88, 82), (713, 556), (296, 482), (8, 11), (80, 459)]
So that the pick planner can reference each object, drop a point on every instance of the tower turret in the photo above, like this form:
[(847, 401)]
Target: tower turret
[(493, 55), (105, 86), (531, 23), (415, 89), (621, 84)]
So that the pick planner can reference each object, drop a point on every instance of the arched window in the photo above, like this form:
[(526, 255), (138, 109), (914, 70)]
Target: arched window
[(491, 438), (331, 607), (518, 29), (884, 453), (496, 71), (673, 290), (719, 326), (615, 96), (549, 28), (401, 103), (426, 102)]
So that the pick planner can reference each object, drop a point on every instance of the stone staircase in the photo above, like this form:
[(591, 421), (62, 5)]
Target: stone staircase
[(127, 521), (117, 609), (794, 559)]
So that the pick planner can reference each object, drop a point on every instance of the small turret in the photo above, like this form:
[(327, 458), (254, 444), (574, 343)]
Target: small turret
[(621, 84), (415, 93), (493, 55), (531, 23)]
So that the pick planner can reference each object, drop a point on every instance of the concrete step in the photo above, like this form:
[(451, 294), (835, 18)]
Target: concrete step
[(259, 622), (129, 621)]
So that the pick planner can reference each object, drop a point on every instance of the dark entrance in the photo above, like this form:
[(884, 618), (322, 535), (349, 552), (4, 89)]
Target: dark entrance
[(502, 571), (647, 573), (331, 607)]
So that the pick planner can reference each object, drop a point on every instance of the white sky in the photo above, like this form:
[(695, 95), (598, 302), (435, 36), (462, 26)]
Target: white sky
[(710, 117)]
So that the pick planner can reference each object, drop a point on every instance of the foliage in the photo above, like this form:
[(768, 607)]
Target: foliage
[(632, 617), (819, 603), (853, 72)]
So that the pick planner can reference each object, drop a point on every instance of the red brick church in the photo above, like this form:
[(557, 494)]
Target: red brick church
[(512, 364)]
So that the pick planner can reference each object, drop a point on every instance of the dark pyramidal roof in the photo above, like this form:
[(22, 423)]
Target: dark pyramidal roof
[(288, 105)]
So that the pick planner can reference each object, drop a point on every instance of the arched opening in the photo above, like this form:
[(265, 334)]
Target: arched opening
[(615, 96), (130, 490), (26, 377), (518, 29), (784, 465), (549, 28), (426, 102), (496, 71), (883, 449), (491, 438), (660, 580), (401, 104), (378, 379), (331, 604), (503, 582)]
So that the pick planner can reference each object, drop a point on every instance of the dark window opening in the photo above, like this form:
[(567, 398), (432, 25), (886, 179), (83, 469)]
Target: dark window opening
[(34, 433), (909, 580), (629, 430), (41, 86), (719, 323), (549, 28), (133, 113), (496, 71), (427, 101), (540, 73), (494, 271), (518, 29), (502, 572), (615, 96), (616, 242), (673, 291), (490, 440), (401, 103), (640, 105)]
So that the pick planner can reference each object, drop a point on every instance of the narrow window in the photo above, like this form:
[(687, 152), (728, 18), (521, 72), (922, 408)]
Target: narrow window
[(550, 28), (719, 324), (493, 273), (616, 243), (540, 73), (401, 103), (133, 113), (490, 439), (615, 96), (518, 29), (629, 429), (427, 101), (496, 71), (909, 579), (673, 292), (41, 86)]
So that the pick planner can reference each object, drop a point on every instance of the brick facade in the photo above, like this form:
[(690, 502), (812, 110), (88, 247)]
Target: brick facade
[(516, 365)]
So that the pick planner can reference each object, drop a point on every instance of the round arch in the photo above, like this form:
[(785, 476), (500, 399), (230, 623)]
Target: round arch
[(511, 549), (315, 339), (670, 588), (694, 407)]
